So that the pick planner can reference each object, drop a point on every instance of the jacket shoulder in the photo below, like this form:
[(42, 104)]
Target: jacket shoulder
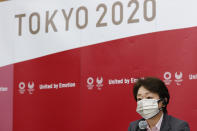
[(178, 124), (133, 125)]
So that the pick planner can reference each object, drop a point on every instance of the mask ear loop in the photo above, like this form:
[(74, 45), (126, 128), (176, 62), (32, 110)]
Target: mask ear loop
[(160, 109)]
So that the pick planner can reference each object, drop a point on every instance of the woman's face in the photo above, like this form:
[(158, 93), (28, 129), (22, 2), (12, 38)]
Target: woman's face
[(143, 93)]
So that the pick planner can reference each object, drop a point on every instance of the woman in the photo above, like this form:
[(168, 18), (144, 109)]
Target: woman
[(152, 98)]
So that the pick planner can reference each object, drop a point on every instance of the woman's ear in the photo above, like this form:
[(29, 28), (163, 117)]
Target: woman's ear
[(161, 103), (164, 101)]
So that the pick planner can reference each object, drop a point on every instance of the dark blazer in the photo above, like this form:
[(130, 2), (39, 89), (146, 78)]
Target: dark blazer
[(169, 123)]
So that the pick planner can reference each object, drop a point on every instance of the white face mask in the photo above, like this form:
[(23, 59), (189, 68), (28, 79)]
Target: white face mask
[(148, 108)]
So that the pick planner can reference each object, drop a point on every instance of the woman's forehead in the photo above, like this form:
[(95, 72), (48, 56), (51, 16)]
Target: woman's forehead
[(144, 91)]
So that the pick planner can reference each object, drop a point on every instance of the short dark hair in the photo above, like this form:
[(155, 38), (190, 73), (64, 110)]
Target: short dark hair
[(154, 85)]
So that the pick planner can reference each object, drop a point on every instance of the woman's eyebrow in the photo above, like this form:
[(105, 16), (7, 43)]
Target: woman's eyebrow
[(139, 94)]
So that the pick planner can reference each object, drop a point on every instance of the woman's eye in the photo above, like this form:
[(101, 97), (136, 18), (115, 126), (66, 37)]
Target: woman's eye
[(138, 99), (149, 98)]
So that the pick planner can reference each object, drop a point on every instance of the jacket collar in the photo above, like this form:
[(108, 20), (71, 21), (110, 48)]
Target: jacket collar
[(164, 125)]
